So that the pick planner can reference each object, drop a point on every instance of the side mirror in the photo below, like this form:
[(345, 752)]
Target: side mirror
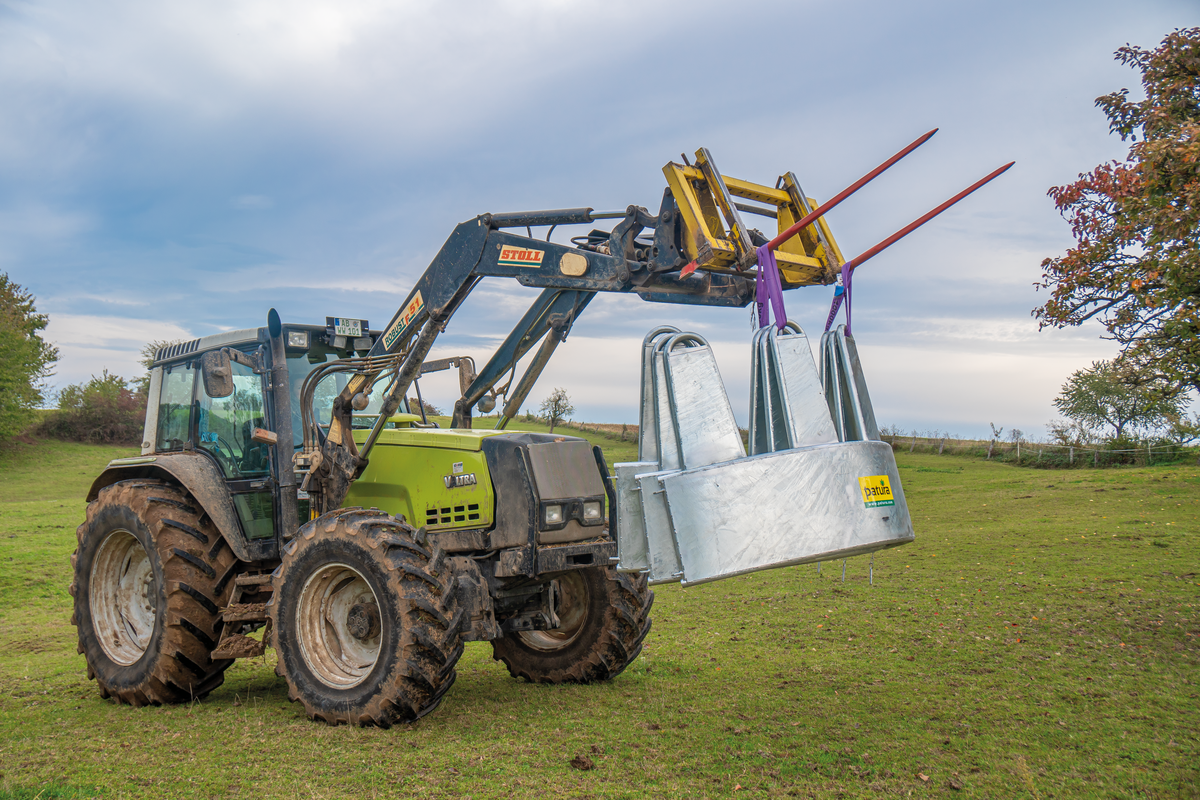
[(217, 372)]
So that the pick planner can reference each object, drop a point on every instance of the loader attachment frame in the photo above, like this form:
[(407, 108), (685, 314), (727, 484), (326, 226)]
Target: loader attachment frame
[(654, 256)]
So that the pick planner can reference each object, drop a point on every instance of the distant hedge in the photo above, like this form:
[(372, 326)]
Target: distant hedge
[(101, 411)]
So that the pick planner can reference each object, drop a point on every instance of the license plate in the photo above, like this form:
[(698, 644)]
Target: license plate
[(347, 327)]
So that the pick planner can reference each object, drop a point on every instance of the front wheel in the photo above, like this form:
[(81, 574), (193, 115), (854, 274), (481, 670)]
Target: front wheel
[(603, 617), (366, 620)]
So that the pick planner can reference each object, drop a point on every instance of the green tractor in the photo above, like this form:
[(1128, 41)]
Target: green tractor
[(183, 553), (282, 489)]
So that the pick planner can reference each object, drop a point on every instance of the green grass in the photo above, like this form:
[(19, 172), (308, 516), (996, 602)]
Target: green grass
[(1038, 640)]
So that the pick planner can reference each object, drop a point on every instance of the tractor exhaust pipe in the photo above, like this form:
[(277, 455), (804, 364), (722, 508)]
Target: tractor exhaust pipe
[(285, 470)]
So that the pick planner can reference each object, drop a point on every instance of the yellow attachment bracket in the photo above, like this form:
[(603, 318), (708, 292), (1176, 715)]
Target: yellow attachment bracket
[(717, 238)]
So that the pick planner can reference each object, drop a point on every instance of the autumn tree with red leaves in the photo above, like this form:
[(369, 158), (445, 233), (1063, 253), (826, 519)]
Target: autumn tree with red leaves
[(1136, 264)]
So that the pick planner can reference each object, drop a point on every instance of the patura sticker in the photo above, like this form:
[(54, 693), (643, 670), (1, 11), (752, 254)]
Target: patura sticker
[(876, 491)]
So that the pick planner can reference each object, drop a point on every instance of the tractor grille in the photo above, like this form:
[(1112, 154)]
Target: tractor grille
[(176, 350), (448, 515)]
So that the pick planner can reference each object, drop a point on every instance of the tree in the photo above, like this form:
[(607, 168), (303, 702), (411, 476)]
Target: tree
[(1069, 433), (557, 407), (1184, 429), (418, 404), (25, 359), (996, 434), (1136, 265), (1117, 395), (149, 351)]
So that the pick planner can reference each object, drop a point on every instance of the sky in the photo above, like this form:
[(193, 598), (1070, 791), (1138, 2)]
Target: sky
[(174, 169)]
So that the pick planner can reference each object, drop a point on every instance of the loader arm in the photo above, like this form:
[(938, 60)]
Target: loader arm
[(644, 254)]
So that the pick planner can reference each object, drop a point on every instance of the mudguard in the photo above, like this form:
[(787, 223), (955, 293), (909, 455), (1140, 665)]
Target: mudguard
[(204, 481)]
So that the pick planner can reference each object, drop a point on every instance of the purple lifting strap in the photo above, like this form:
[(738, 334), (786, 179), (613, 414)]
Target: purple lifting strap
[(837, 300), (767, 287)]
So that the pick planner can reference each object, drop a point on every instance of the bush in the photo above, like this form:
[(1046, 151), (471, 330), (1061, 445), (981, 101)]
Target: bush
[(102, 411), (430, 409)]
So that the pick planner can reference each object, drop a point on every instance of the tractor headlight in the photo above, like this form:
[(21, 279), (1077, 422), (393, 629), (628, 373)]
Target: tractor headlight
[(593, 510), (554, 515), (298, 339)]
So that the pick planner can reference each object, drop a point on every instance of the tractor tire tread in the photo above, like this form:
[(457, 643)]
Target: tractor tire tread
[(189, 625), (602, 653), (422, 666)]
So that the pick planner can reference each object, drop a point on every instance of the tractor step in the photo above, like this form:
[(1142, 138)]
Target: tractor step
[(237, 615), (235, 645), (245, 612), (252, 580)]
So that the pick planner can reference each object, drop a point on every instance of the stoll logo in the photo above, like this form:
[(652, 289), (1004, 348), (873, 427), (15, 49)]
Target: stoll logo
[(520, 257)]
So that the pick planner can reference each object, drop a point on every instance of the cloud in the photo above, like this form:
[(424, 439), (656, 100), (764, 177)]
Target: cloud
[(88, 344), (201, 163)]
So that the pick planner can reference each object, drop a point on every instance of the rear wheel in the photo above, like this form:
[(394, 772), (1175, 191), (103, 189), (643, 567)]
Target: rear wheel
[(150, 575), (366, 620), (603, 617)]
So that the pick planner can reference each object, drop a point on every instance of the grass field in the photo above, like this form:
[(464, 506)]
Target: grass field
[(1038, 640)]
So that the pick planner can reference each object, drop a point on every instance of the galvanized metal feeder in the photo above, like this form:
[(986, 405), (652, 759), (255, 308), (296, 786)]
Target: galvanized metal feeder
[(818, 484)]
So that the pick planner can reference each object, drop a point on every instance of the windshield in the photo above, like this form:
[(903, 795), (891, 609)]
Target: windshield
[(300, 364)]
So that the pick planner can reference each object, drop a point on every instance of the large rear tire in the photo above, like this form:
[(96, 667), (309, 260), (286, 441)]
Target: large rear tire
[(604, 616), (366, 620), (150, 574)]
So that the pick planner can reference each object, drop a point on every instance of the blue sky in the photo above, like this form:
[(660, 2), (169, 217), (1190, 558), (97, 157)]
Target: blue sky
[(173, 169)]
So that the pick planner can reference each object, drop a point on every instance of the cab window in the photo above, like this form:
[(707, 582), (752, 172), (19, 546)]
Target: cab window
[(175, 406), (224, 425)]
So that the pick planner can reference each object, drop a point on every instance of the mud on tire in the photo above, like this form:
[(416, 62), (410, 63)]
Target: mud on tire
[(605, 616), (150, 574), (366, 620)]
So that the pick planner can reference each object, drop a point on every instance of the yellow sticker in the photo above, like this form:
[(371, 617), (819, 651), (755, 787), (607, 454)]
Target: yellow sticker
[(401, 324), (876, 491)]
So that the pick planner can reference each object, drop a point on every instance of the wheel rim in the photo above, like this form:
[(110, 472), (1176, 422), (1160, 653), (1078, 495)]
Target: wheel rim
[(571, 607), (339, 626), (123, 597)]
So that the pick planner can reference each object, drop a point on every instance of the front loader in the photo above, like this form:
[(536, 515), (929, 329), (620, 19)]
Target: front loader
[(285, 486)]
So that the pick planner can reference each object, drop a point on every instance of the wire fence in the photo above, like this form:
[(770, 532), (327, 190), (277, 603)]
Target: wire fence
[(1038, 455), (1046, 456)]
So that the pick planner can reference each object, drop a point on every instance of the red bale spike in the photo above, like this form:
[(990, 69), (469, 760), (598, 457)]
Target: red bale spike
[(912, 226), (826, 207)]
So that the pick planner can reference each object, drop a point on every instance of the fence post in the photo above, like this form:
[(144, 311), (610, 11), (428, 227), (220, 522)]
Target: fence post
[(942, 445), (1096, 458), (1018, 451), (1039, 458), (1149, 452), (914, 442), (1071, 456)]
